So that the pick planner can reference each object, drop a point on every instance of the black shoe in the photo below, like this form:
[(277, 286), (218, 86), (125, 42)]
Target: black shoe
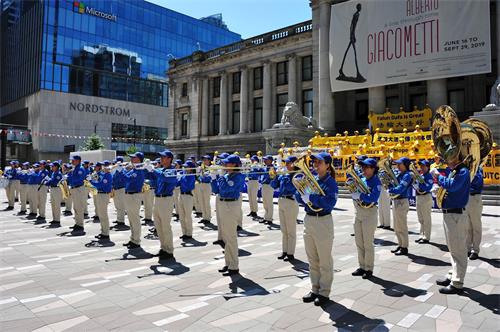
[(102, 237), (163, 255), (40, 221), (133, 245), (148, 221), (85, 216), (95, 217), (9, 208), (380, 226), (127, 244), (250, 214), (224, 269), (31, 216), (239, 229), (289, 258), (352, 234), (450, 289), (443, 282), (396, 250), (367, 275), (309, 297), (262, 221), (77, 228), (21, 213), (387, 227), (321, 300), (67, 213), (419, 240), (231, 273), (473, 256), (269, 222), (403, 251), (359, 272), (186, 237), (424, 241), (202, 221), (218, 242), (55, 223), (283, 255)]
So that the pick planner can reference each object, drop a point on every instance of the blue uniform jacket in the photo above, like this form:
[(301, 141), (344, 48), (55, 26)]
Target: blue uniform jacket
[(119, 179), (104, 182), (458, 188), (187, 182), (327, 202), (375, 187), (23, 177), (265, 178), (151, 177), (54, 179), (165, 181), (135, 180), (428, 183), (10, 174), (254, 173), (77, 176), (476, 186), (39, 176), (285, 185), (229, 186), (405, 180)]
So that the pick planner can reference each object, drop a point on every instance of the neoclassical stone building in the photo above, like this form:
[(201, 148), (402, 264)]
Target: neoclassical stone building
[(223, 99)]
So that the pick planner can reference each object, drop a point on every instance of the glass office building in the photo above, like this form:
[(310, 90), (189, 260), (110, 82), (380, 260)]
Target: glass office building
[(112, 49)]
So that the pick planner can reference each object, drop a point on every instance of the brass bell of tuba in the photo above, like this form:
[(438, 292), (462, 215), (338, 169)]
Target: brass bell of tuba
[(355, 184), (305, 182), (386, 175)]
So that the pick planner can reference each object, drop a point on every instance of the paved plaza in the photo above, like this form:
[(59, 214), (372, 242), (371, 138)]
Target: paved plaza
[(50, 281)]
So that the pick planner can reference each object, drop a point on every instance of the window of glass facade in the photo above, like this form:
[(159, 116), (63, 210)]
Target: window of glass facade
[(282, 99), (236, 82), (307, 102), (282, 72), (216, 115), (393, 103), (122, 59), (362, 110), (257, 78), (216, 81), (257, 114), (307, 68), (418, 100), (236, 117), (184, 89), (142, 134), (184, 124)]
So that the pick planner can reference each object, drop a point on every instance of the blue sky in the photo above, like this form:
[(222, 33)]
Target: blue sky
[(246, 17)]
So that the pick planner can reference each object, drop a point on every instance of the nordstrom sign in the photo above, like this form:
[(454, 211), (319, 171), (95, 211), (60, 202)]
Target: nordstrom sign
[(82, 9)]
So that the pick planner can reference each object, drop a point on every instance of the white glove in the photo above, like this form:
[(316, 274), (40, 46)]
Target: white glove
[(179, 177), (305, 198), (119, 168), (355, 195), (415, 186), (65, 177), (89, 177), (47, 178), (434, 172), (213, 176), (149, 167)]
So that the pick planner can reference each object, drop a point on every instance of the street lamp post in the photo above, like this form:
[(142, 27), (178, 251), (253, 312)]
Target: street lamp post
[(135, 125)]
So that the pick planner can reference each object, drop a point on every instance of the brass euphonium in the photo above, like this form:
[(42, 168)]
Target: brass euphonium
[(63, 185), (90, 187), (386, 175), (417, 177), (355, 184), (304, 181)]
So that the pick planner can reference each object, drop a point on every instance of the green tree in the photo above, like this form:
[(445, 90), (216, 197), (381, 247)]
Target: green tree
[(132, 149), (93, 142)]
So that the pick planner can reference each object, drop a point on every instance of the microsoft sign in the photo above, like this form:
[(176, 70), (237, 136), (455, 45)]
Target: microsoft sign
[(80, 7)]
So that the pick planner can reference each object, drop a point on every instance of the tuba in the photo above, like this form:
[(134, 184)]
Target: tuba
[(386, 175), (417, 177), (468, 142), (356, 184), (305, 182), (90, 187)]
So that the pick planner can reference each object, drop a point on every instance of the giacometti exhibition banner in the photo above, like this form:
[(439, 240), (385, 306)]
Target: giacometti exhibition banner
[(382, 42)]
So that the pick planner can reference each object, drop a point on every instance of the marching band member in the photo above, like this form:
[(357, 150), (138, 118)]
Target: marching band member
[(23, 187), (164, 204), (220, 226), (17, 182), (78, 192), (11, 174), (229, 188), (149, 198), (288, 209), (205, 192), (88, 171), (253, 187), (365, 220), (68, 203), (186, 183), (41, 193), (384, 209), (198, 212), (104, 184), (32, 191), (119, 181), (401, 205), (177, 190), (318, 230), (133, 199), (267, 191), (455, 224), (474, 210), (55, 193), (424, 202)]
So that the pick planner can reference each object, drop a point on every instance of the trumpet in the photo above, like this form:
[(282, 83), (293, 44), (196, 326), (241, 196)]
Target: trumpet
[(356, 184), (387, 176)]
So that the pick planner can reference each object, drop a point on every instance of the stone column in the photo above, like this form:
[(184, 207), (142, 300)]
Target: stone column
[(204, 107), (267, 95), (376, 99), (171, 110), (292, 78), (223, 104), (437, 93), (243, 100), (326, 104)]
